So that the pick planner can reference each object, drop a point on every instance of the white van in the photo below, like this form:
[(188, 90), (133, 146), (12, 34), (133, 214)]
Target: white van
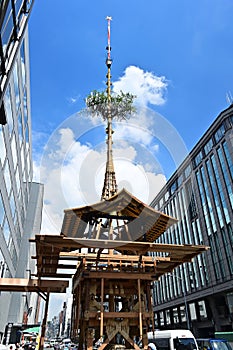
[(174, 339)]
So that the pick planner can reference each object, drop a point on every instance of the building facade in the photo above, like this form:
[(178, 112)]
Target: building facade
[(199, 295), (20, 198)]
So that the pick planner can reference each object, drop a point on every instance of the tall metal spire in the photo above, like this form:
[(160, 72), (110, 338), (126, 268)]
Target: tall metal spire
[(110, 186)]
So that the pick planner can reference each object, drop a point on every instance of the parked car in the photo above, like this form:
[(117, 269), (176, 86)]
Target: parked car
[(213, 344), (173, 339)]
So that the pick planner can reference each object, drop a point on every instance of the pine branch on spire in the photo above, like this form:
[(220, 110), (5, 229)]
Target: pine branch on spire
[(120, 107)]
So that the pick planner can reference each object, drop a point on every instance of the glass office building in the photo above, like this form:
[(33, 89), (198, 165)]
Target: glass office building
[(199, 294), (20, 198)]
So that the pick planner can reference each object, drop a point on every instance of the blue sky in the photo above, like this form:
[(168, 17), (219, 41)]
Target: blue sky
[(176, 55), (187, 42)]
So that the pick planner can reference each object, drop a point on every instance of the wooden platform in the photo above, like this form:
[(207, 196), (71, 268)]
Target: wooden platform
[(109, 252)]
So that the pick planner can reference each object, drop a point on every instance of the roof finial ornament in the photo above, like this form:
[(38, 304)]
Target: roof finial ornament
[(108, 18)]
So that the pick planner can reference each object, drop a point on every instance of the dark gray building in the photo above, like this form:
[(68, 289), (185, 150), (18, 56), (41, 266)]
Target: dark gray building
[(199, 294), (20, 198)]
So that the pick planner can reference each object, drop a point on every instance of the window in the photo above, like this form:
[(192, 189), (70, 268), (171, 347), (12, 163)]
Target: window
[(173, 187), (205, 206), (175, 315), (17, 179), (168, 318), (210, 208), (214, 256), (8, 109), (161, 203), (18, 4), (6, 231), (2, 146), (227, 250), (14, 151), (204, 277), (192, 310), (225, 175), (191, 204), (22, 158), (220, 254), (161, 317), (198, 158), (17, 229), (180, 180), (202, 309), (25, 108), (215, 198), (27, 136), (14, 257), (7, 178), (219, 133), (20, 127), (166, 196), (156, 319), (187, 171), (7, 27), (183, 313), (228, 157), (220, 188), (199, 231), (208, 147), (16, 86), (230, 233), (231, 119), (12, 203), (2, 210), (22, 54)]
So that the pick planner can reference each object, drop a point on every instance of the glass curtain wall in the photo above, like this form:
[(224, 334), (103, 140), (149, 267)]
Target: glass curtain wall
[(200, 195)]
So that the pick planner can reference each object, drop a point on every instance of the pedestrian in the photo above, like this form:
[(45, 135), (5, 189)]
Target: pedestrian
[(151, 346)]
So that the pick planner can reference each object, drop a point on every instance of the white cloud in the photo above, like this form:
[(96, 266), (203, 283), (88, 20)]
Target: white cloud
[(128, 131), (148, 88), (73, 99), (74, 176), (73, 171)]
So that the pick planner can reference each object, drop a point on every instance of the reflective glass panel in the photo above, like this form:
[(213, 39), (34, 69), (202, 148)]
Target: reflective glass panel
[(8, 109), (7, 177), (2, 146), (6, 231)]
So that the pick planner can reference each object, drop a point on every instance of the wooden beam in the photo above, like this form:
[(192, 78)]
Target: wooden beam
[(114, 257), (52, 274), (32, 285), (75, 243), (58, 266), (120, 275), (113, 315)]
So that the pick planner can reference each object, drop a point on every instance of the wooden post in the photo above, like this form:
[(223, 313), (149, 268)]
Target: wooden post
[(43, 326), (102, 309), (90, 337), (140, 309)]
